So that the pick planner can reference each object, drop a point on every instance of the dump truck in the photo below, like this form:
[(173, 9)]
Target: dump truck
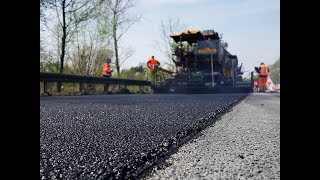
[(203, 65)]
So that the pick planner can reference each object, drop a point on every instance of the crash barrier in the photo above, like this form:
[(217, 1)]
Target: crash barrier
[(71, 78)]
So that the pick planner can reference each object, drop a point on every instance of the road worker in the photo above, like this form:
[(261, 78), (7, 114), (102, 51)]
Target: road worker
[(106, 71), (263, 76), (153, 65)]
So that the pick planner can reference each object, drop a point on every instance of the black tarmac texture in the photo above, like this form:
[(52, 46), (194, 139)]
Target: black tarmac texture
[(119, 136)]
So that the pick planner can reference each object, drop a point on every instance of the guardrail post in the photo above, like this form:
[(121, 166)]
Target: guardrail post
[(45, 87), (251, 80), (106, 87), (125, 85), (80, 87), (59, 84), (140, 89)]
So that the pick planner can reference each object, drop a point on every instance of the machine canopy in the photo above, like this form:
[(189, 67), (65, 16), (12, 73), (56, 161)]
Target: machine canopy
[(191, 36)]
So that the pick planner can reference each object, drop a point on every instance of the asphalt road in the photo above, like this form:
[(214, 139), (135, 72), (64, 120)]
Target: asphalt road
[(119, 136), (243, 144)]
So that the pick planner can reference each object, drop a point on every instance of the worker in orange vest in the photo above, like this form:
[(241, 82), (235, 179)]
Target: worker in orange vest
[(263, 76), (153, 65), (106, 70)]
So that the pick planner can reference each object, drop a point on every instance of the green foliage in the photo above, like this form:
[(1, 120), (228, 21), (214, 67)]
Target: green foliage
[(185, 46), (166, 45), (275, 72), (88, 59), (137, 73), (53, 67), (49, 66), (90, 27), (90, 31)]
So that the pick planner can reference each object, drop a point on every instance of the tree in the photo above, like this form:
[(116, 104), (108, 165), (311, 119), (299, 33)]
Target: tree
[(138, 72), (89, 54), (47, 63), (68, 16), (125, 54), (275, 72), (166, 45), (42, 20), (120, 22), (91, 46)]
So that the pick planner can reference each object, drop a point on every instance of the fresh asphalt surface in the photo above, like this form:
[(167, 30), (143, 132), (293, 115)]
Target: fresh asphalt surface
[(243, 144), (119, 136)]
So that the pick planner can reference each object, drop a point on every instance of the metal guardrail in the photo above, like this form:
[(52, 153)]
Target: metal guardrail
[(55, 77)]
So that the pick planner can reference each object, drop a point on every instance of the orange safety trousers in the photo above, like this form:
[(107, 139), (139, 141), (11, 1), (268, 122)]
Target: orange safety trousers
[(262, 82)]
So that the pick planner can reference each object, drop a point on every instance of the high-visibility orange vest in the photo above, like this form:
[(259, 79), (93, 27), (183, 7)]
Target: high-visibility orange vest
[(106, 68), (263, 70), (153, 62)]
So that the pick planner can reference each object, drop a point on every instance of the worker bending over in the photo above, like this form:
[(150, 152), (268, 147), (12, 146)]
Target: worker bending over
[(153, 65)]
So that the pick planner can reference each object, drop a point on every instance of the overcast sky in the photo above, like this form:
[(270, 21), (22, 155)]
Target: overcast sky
[(250, 27)]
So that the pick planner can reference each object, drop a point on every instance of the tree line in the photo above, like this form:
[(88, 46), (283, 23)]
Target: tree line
[(78, 35), (275, 71)]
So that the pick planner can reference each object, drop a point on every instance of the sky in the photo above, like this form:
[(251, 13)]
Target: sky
[(250, 27)]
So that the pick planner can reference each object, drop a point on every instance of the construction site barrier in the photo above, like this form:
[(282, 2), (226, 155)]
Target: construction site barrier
[(71, 78)]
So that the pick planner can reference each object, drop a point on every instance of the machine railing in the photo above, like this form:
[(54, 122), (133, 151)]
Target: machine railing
[(247, 78), (247, 75)]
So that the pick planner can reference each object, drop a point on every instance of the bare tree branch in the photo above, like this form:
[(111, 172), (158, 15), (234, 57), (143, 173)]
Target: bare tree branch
[(126, 54), (168, 27), (57, 13), (69, 14), (50, 29), (120, 22)]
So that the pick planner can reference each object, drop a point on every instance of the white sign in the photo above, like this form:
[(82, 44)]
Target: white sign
[(270, 84)]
